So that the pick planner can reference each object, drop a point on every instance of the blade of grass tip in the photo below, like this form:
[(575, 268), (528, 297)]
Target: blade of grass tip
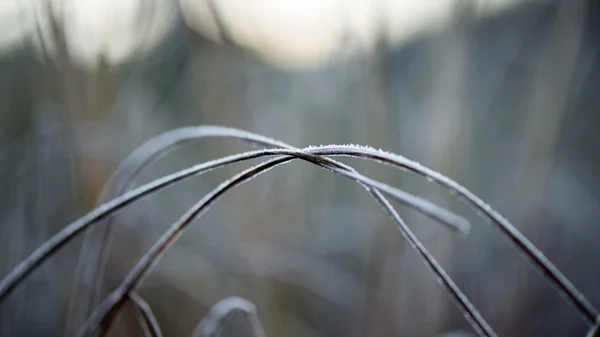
[(534, 255), (213, 321), (145, 315), (94, 255), (72, 230), (103, 315)]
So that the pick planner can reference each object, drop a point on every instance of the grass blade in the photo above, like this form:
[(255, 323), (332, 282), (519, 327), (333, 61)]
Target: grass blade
[(102, 317), (96, 245), (465, 306), (92, 262), (213, 321), (155, 148), (145, 315), (542, 264), (75, 228)]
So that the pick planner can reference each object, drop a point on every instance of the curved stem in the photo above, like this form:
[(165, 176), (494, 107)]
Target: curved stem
[(145, 315), (180, 136), (75, 228), (212, 322), (103, 316), (538, 259)]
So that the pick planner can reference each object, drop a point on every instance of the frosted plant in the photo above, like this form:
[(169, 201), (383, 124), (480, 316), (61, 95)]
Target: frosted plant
[(280, 153)]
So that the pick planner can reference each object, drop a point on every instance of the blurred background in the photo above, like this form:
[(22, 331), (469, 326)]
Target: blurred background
[(500, 95)]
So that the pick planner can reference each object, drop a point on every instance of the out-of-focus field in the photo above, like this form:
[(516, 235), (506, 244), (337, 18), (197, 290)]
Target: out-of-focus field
[(504, 99)]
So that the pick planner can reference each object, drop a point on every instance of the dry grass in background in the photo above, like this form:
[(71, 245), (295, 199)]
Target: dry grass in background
[(505, 102)]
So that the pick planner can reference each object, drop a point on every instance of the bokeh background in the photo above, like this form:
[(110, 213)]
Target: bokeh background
[(500, 95)]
